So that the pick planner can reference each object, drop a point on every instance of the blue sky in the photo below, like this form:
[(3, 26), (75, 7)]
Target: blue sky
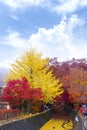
[(58, 28)]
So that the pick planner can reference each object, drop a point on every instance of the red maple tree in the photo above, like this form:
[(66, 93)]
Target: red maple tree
[(76, 83), (63, 72), (19, 91)]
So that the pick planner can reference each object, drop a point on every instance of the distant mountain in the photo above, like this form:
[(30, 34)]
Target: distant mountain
[(3, 72)]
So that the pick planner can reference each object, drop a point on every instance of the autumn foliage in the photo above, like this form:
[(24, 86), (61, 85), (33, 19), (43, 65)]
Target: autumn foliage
[(18, 91), (73, 76), (76, 85), (35, 68)]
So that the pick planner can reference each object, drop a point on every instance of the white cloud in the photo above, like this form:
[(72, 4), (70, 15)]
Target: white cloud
[(63, 6), (14, 17), (21, 4), (83, 2), (67, 6), (58, 41), (6, 63), (14, 39)]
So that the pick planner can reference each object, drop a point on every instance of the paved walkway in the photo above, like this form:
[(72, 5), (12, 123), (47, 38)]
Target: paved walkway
[(85, 123), (84, 119), (57, 124)]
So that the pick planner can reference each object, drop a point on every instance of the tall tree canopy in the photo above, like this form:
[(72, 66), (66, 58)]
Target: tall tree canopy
[(68, 72), (35, 68), (60, 69), (76, 84)]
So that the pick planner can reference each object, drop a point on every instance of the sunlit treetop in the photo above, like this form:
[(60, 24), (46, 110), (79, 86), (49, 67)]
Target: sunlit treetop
[(35, 68)]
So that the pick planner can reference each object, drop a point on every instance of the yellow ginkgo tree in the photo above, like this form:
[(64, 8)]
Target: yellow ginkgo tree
[(35, 68)]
